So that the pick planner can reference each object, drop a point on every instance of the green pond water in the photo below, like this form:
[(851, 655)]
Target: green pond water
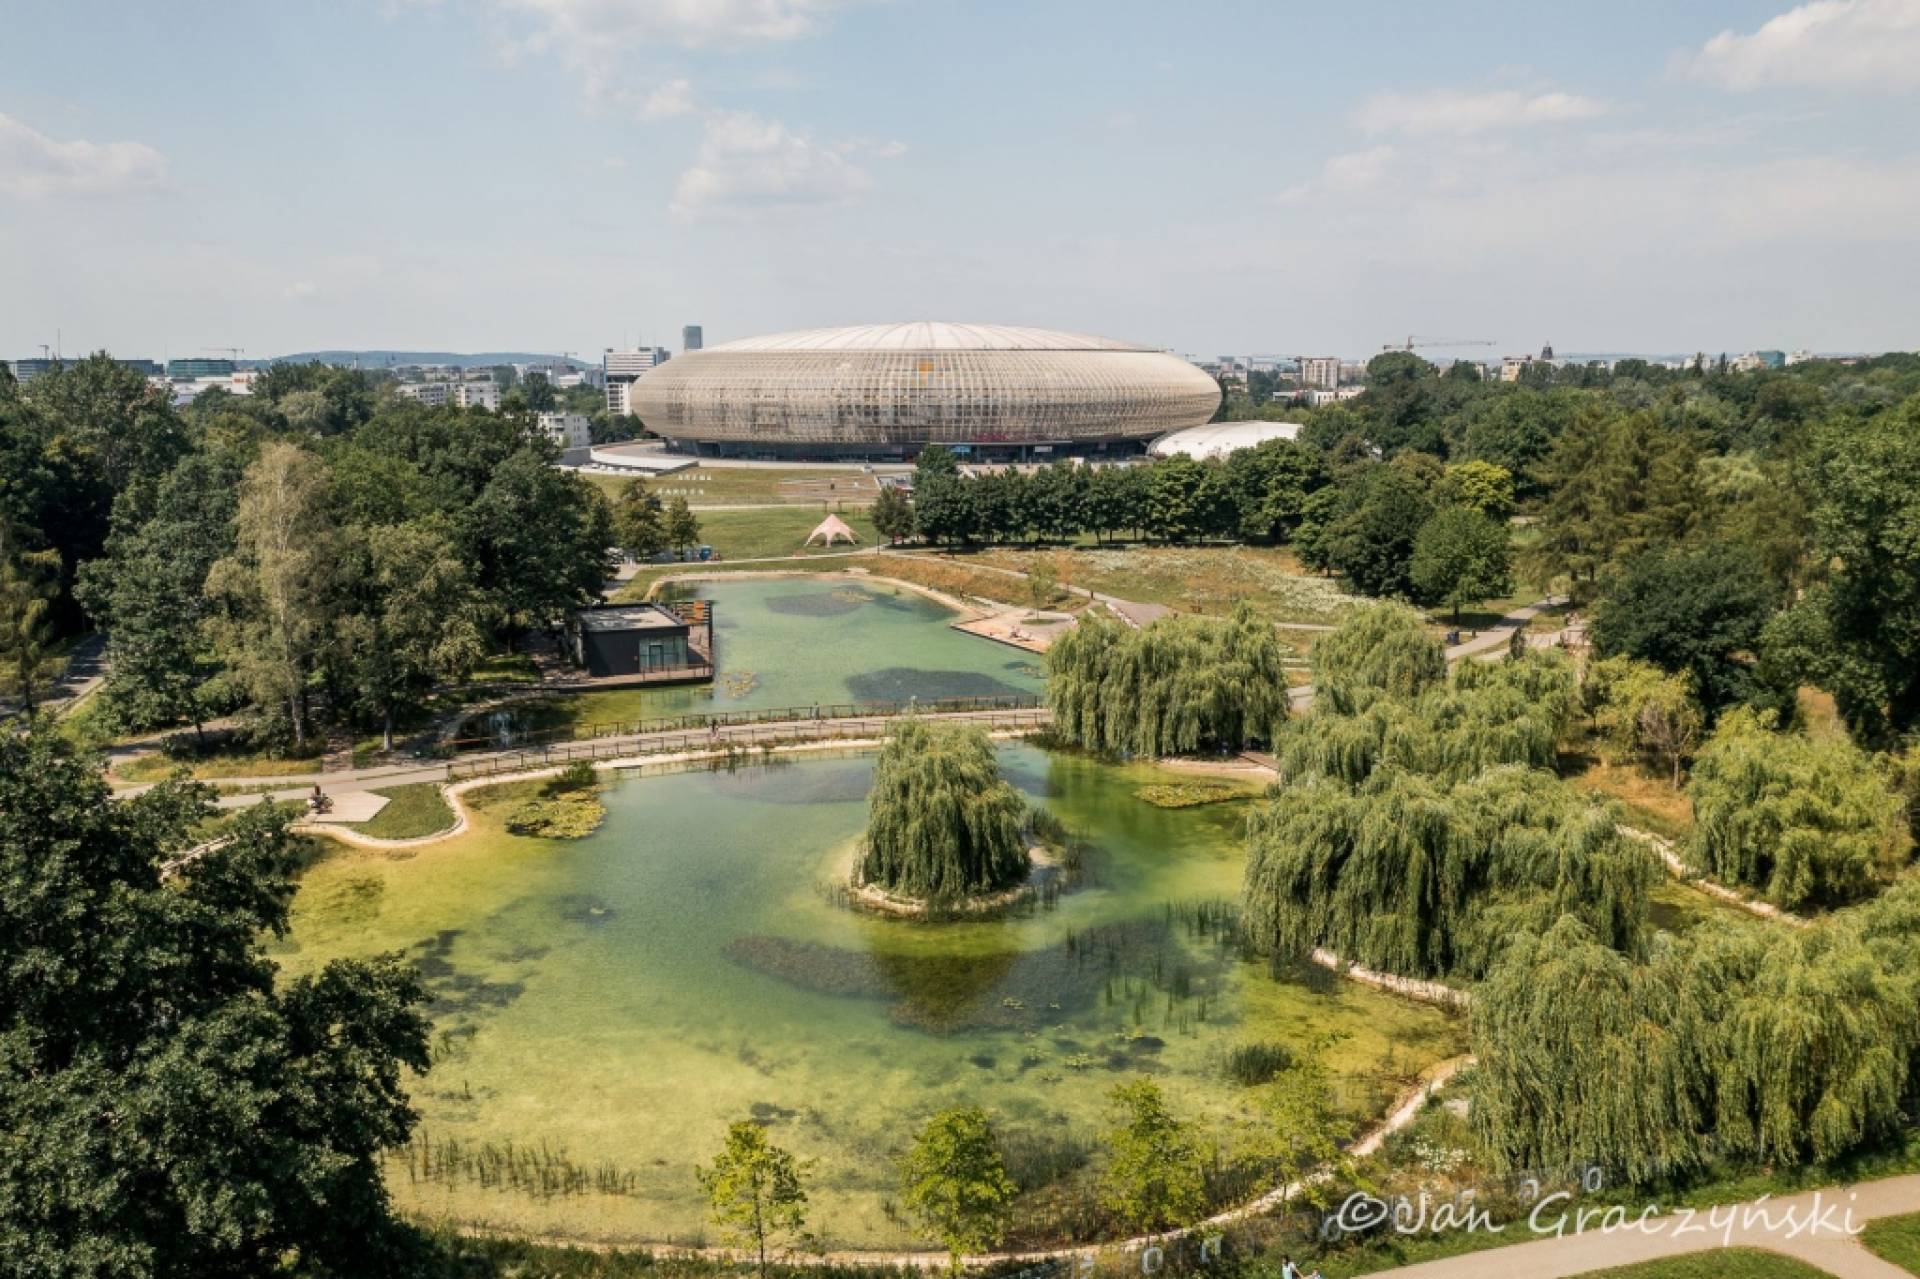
[(802, 641), (614, 1002)]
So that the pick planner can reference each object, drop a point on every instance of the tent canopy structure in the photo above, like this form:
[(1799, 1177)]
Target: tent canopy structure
[(830, 528)]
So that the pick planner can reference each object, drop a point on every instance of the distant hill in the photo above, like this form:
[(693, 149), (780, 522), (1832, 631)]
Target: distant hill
[(385, 359)]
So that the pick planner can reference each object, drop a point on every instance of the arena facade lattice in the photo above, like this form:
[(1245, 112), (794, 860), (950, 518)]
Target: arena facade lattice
[(890, 389)]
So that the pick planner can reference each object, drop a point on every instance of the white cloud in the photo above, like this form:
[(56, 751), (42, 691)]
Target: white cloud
[(1349, 171), (747, 163), (619, 25), (33, 164), (1869, 45), (1459, 111), (674, 98)]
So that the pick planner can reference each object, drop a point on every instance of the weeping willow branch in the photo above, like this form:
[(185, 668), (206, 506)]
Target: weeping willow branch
[(942, 824), (1178, 685)]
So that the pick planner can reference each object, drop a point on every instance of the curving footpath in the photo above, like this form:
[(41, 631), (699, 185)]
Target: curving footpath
[(1819, 1227)]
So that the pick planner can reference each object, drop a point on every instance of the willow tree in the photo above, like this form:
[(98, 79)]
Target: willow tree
[(1771, 1044), (942, 824), (1796, 818), (1489, 714), (1587, 1056), (1412, 875), (1178, 685), (1381, 650)]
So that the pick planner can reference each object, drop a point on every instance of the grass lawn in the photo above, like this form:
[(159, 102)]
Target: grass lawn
[(1677, 907), (637, 587), (411, 813), (744, 485), (158, 766), (1896, 1239), (1652, 803), (1720, 1263), (1193, 579), (751, 534)]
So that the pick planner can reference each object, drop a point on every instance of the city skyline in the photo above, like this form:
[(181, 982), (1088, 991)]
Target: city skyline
[(574, 174)]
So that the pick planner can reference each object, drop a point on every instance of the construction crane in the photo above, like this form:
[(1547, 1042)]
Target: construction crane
[(233, 352), (1414, 340)]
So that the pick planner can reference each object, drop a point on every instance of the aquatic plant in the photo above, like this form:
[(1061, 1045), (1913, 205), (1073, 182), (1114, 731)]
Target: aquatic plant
[(572, 815), (942, 824), (540, 1170), (1189, 794), (1250, 1065)]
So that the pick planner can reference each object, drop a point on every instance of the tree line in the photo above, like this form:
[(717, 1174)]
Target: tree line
[(313, 547)]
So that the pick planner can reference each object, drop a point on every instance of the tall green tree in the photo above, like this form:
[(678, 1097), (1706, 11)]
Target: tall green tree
[(1155, 1176), (892, 514), (1698, 610), (1371, 544), (148, 592), (416, 620), (754, 1191), (1461, 556), (954, 1183), (170, 1104), (943, 510), (540, 537), (1172, 687), (1858, 633), (682, 528), (274, 594), (639, 521), (29, 581)]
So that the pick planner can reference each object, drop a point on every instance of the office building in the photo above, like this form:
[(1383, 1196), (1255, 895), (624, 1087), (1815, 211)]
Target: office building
[(621, 369), (476, 395), (691, 339), (194, 368), (1322, 371), (572, 432)]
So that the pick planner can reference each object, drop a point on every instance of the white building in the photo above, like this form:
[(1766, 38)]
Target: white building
[(1319, 396), (1321, 371), (571, 432), (432, 394), (622, 369), (477, 395), (1512, 366)]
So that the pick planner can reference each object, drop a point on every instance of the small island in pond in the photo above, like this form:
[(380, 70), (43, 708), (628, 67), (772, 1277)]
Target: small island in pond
[(945, 831)]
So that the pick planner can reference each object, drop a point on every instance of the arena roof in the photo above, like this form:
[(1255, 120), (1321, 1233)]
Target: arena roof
[(927, 335), (1217, 439)]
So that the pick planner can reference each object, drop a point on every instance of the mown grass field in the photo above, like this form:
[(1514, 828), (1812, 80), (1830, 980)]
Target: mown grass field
[(1721, 1263), (412, 812), (1193, 579), (737, 485), (759, 533), (1896, 1239), (156, 766)]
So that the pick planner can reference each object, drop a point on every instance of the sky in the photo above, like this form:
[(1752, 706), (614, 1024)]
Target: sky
[(1211, 176)]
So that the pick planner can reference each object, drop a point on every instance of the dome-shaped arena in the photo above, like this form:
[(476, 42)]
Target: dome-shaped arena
[(888, 389)]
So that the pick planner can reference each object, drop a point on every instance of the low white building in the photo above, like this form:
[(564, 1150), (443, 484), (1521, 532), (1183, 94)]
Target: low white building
[(432, 394), (571, 432), (477, 395), (1217, 439)]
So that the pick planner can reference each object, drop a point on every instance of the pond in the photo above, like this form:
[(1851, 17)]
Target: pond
[(799, 641), (603, 1008)]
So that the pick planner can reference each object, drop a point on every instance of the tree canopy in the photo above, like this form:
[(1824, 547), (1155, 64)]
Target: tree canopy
[(1798, 819), (167, 1107), (1177, 685), (942, 824)]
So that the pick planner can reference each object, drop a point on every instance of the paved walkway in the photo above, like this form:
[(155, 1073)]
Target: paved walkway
[(1812, 1227)]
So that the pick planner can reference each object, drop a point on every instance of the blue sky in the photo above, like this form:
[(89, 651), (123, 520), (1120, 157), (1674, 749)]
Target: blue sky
[(1212, 177)]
